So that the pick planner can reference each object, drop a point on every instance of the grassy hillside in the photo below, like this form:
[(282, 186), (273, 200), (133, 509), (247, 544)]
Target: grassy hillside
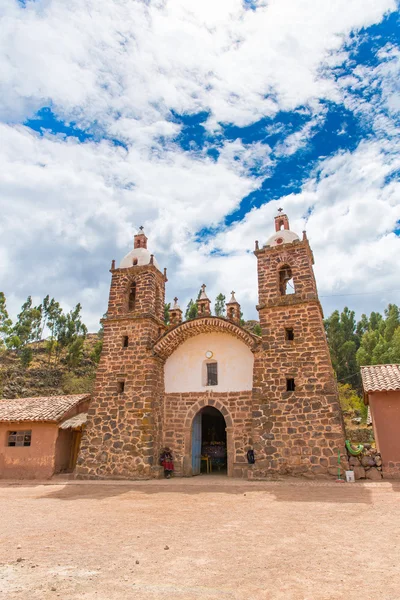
[(46, 377)]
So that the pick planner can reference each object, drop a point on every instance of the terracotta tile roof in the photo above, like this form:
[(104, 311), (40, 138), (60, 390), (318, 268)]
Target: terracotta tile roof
[(74, 422), (381, 378), (51, 408)]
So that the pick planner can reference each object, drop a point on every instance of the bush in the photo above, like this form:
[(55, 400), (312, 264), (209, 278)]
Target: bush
[(26, 356), (350, 401), (72, 384)]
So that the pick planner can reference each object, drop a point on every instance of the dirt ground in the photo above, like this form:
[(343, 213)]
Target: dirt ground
[(204, 538)]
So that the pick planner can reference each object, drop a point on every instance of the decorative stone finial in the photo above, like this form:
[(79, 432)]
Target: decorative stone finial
[(203, 295), (203, 303), (257, 248), (280, 210), (112, 264), (175, 313), (233, 309), (152, 259)]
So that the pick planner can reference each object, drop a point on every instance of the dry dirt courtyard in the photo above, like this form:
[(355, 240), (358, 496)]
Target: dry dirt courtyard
[(205, 538)]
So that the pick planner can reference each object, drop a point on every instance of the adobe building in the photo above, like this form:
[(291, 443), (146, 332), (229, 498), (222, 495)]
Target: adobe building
[(40, 437), (209, 389), (381, 385)]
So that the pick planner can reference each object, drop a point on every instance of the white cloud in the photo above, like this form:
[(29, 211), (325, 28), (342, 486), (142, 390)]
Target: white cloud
[(121, 67), (134, 60)]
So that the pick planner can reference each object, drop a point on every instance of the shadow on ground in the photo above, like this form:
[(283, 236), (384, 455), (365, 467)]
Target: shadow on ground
[(281, 491)]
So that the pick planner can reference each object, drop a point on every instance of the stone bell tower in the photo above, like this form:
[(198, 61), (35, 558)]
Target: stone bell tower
[(123, 433), (297, 423)]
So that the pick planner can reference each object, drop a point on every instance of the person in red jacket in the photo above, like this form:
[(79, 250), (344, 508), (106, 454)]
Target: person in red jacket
[(166, 461)]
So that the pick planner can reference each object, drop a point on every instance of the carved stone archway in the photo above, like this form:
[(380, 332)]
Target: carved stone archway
[(169, 342), (192, 412)]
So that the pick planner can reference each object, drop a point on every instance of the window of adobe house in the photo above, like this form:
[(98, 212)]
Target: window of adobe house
[(19, 438), (132, 296), (286, 283), (289, 334), (125, 341), (212, 373), (121, 387), (290, 385)]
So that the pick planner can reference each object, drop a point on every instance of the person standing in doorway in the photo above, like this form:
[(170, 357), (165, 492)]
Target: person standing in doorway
[(166, 461)]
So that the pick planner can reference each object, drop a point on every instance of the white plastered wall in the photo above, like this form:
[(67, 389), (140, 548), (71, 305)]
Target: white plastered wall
[(184, 370)]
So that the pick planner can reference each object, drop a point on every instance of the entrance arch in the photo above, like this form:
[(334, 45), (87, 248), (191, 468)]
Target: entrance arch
[(205, 412)]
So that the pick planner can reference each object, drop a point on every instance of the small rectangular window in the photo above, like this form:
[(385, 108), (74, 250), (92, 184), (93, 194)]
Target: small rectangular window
[(125, 342), (121, 387), (19, 438), (212, 373), (289, 334), (290, 385)]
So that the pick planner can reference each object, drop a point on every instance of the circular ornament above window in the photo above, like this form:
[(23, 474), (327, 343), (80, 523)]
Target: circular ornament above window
[(279, 241), (209, 354)]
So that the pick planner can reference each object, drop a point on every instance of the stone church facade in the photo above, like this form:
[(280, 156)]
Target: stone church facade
[(274, 393)]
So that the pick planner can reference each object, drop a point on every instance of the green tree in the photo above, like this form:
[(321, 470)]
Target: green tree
[(5, 321), (343, 344), (381, 338), (96, 352), (98, 347), (166, 313), (53, 315), (26, 356), (27, 327), (191, 310), (70, 328), (219, 306), (75, 353)]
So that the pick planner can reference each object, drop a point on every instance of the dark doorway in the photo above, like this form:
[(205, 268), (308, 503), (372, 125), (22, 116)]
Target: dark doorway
[(213, 441)]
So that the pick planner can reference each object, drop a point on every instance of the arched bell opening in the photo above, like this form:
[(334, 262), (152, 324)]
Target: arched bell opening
[(286, 282)]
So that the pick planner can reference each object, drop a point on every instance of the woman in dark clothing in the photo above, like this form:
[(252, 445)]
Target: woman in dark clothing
[(166, 461)]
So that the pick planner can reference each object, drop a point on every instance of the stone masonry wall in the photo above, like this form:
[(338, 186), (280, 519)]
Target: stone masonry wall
[(123, 433), (300, 431)]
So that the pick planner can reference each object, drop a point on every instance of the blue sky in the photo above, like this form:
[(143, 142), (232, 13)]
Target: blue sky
[(199, 120)]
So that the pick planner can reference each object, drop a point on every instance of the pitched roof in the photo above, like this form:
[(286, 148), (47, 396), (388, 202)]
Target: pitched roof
[(51, 408), (74, 422), (381, 378)]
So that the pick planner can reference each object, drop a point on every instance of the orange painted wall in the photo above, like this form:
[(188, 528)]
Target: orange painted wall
[(385, 409), (32, 462)]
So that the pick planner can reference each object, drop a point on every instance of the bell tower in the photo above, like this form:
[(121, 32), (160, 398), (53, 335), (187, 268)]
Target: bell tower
[(298, 426), (123, 432)]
